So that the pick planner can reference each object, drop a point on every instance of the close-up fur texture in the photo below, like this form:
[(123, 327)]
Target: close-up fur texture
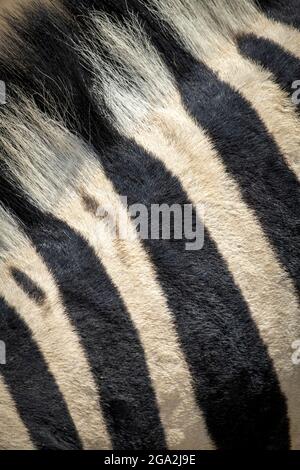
[(134, 343)]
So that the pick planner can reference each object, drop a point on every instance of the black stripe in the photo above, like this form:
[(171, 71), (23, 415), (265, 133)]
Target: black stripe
[(108, 336), (106, 331), (284, 66), (285, 11), (29, 287), (32, 386), (234, 379)]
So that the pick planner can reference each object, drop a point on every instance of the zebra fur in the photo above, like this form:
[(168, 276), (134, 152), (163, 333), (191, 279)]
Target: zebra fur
[(141, 344)]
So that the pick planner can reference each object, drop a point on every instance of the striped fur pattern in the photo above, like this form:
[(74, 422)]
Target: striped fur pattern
[(129, 344)]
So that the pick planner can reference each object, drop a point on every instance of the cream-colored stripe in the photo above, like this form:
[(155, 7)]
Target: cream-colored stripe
[(13, 433), (132, 274), (242, 16), (185, 150), (200, 34), (270, 102), (285, 36), (59, 344)]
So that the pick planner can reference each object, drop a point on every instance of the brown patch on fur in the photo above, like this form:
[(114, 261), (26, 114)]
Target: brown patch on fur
[(28, 286), (89, 203)]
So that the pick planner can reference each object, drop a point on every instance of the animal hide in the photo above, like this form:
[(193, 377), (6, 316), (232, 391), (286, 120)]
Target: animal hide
[(149, 342)]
